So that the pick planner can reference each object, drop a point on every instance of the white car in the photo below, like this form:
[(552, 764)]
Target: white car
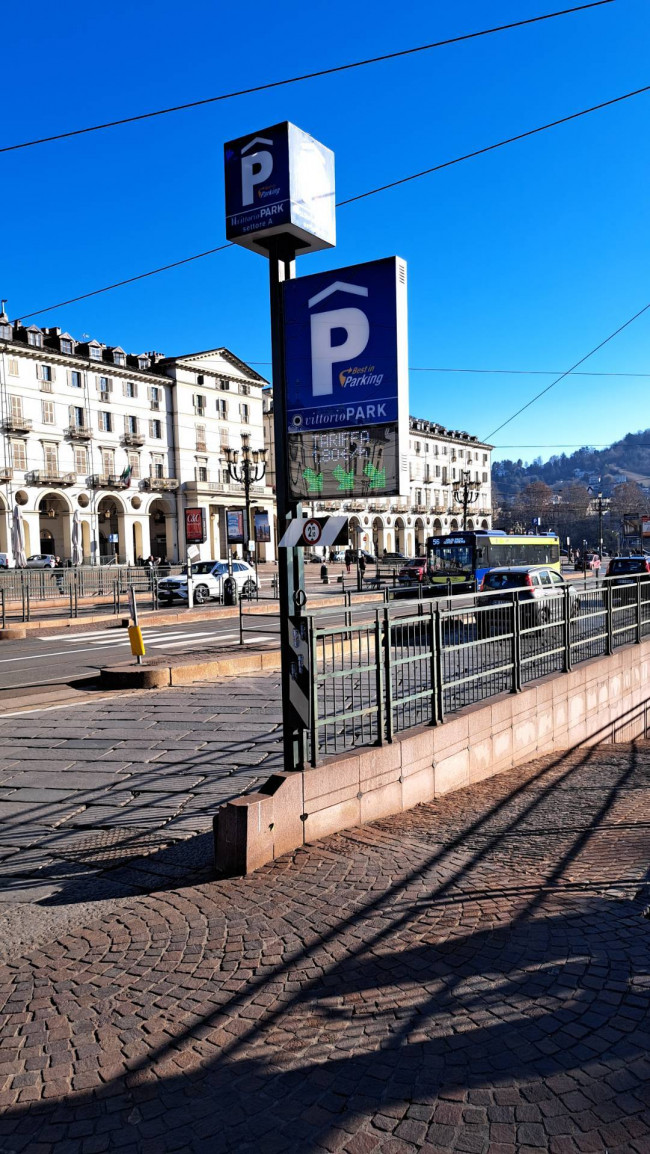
[(41, 561), (207, 580)]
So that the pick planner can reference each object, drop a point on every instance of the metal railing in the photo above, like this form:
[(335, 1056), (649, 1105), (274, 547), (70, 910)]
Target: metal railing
[(25, 587), (377, 672)]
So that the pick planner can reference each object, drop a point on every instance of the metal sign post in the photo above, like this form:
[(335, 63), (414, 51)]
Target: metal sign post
[(279, 185), (135, 633)]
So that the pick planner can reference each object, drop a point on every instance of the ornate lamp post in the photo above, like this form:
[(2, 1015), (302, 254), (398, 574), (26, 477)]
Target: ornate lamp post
[(251, 470), (465, 493)]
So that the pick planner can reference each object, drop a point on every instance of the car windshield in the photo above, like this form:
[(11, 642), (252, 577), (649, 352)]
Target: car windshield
[(628, 565), (452, 558), (504, 580), (207, 567)]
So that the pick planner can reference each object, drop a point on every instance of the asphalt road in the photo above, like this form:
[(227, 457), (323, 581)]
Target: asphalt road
[(70, 655)]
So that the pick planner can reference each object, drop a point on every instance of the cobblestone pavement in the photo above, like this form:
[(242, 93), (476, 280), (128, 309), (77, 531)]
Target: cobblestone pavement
[(100, 799), (472, 976)]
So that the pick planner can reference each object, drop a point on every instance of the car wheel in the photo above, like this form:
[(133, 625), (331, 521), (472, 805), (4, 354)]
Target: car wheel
[(201, 594), (249, 587)]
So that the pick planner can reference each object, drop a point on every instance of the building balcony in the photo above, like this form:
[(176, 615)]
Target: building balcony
[(223, 488), (80, 432), (15, 424), (134, 439), (6, 474), (160, 484), (50, 477), (107, 481)]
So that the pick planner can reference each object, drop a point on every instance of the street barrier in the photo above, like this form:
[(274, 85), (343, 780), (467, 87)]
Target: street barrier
[(375, 673)]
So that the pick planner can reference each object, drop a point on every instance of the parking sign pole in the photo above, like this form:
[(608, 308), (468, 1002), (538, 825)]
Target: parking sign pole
[(282, 253)]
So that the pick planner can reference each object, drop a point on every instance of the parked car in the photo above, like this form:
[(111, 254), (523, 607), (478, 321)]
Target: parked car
[(539, 589), (208, 578), (588, 561), (624, 571), (6, 561), (391, 558), (41, 561), (413, 571), (369, 558)]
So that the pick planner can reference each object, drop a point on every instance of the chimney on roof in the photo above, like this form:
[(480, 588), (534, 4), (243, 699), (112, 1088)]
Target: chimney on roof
[(3, 311)]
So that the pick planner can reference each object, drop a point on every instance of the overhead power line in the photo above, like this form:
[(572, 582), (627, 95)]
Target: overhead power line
[(491, 372), (568, 372), (304, 76), (350, 200)]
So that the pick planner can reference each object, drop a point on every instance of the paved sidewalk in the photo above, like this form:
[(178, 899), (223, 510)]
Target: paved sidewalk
[(99, 800), (472, 976)]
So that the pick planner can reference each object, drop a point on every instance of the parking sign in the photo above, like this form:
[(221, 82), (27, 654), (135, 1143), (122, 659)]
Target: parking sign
[(346, 363)]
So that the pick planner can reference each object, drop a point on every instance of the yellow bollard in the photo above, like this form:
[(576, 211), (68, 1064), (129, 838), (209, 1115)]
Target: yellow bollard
[(137, 642)]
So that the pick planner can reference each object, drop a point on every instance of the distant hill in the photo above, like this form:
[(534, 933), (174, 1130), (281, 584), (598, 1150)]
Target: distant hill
[(627, 459)]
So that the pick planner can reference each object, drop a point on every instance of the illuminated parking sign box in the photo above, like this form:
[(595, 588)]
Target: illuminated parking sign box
[(279, 181), (346, 364)]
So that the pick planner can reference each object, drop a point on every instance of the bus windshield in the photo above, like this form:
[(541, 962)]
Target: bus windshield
[(452, 559)]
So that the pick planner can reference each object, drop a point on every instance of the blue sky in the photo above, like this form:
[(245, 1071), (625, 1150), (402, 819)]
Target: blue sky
[(522, 259)]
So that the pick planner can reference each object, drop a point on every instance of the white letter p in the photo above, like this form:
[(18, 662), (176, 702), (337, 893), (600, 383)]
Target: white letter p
[(254, 169), (324, 354)]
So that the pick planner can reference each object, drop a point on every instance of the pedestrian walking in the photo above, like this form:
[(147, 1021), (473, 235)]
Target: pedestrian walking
[(362, 566), (58, 574), (348, 559)]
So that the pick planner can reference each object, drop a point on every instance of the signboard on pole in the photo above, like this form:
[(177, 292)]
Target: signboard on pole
[(300, 681), (346, 361), (279, 182), (312, 531), (235, 526), (195, 526), (262, 526)]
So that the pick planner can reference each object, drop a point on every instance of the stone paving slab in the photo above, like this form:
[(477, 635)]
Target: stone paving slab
[(138, 763), (472, 975)]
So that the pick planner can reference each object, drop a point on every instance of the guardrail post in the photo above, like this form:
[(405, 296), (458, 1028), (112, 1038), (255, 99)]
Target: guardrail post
[(608, 597), (516, 645), (241, 619), (29, 608), (433, 667), (22, 591), (638, 611), (388, 672), (4, 613), (313, 708), (440, 684), (567, 629), (71, 596), (380, 659)]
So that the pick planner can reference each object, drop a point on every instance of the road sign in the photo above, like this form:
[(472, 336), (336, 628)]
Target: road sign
[(316, 531), (346, 362), (279, 182)]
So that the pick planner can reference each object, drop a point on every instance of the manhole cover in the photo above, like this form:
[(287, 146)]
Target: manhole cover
[(110, 846)]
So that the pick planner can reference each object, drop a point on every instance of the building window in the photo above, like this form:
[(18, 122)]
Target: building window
[(108, 461), (66, 345), (131, 424), (244, 390), (19, 454), (80, 460), (5, 332), (44, 372), (154, 397), (134, 465), (16, 404), (105, 422), (35, 339), (157, 467), (77, 417), (244, 414), (202, 473), (119, 358), (130, 389), (95, 352), (224, 385), (13, 367), (47, 408), (155, 430), (105, 388), (201, 443), (143, 362), (222, 408), (199, 403), (51, 457), (74, 378)]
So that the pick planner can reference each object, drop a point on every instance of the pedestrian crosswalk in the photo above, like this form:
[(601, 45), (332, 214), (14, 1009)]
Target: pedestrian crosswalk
[(161, 638)]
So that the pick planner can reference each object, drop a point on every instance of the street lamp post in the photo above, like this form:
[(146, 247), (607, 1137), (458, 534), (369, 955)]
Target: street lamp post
[(465, 493), (251, 470)]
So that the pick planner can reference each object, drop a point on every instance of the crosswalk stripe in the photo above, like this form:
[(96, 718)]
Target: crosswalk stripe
[(188, 640), (78, 636)]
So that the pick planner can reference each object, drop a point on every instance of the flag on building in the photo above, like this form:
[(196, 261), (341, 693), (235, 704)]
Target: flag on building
[(125, 476)]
